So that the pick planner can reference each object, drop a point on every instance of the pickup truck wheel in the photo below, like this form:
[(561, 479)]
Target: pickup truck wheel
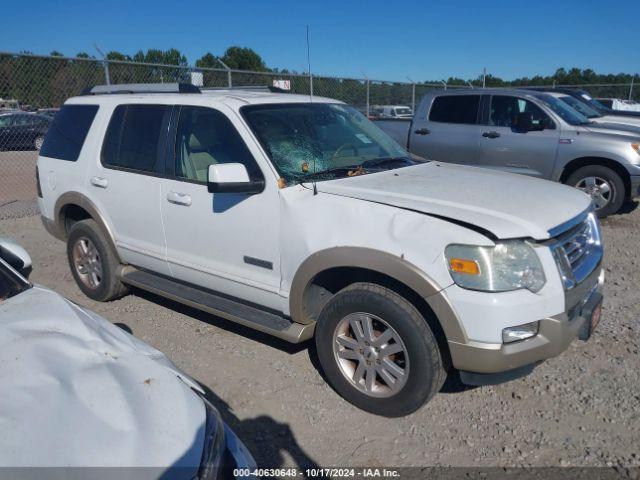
[(603, 185), (93, 262), (377, 350)]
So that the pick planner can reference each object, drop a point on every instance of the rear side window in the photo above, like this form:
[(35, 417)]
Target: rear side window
[(134, 138), (68, 131), (455, 109)]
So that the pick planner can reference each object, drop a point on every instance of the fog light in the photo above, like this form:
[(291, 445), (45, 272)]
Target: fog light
[(520, 332)]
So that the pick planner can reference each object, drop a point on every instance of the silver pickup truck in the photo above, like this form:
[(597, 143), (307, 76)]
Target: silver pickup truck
[(528, 132)]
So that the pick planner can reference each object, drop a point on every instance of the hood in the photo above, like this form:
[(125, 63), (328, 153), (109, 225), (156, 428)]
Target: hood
[(79, 391), (612, 128), (507, 205), (620, 119)]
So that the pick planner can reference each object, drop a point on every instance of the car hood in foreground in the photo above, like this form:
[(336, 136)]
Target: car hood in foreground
[(506, 205), (79, 391)]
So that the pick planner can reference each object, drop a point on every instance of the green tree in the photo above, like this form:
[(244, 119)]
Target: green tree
[(239, 58)]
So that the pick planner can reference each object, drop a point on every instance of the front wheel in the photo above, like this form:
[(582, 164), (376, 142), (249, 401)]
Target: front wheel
[(377, 350), (603, 185)]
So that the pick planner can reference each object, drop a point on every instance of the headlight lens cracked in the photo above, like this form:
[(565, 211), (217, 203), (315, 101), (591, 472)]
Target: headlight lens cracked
[(509, 265)]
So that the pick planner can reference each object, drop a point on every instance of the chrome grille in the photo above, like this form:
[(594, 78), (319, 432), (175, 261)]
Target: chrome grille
[(578, 251)]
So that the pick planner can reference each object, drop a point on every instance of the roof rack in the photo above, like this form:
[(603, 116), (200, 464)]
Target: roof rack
[(141, 88), (246, 88)]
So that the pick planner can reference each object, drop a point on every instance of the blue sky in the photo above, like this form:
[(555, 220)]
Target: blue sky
[(394, 40)]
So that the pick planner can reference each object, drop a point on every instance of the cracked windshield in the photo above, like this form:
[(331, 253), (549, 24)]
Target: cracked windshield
[(323, 141)]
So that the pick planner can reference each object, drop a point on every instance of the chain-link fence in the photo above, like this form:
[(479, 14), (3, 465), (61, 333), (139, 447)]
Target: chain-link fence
[(33, 87)]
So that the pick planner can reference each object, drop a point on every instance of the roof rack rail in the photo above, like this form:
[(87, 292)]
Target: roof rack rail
[(141, 88), (249, 88)]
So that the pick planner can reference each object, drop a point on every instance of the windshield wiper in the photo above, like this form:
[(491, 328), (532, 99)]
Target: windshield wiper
[(328, 171), (379, 162)]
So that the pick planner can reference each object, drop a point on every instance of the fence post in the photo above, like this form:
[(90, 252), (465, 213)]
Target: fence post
[(368, 105), (107, 77), (631, 88), (229, 80), (413, 97)]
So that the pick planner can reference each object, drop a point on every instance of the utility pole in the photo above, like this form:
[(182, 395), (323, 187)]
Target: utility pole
[(105, 62), (631, 87), (484, 77)]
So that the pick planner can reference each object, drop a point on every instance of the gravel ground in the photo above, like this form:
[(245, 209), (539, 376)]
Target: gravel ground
[(579, 409)]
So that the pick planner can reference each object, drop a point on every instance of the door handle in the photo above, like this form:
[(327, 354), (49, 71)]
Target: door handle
[(490, 134), (422, 131), (99, 182), (178, 198)]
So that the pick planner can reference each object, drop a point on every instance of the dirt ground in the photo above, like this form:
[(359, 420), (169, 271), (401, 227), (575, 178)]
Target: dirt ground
[(17, 176), (579, 409)]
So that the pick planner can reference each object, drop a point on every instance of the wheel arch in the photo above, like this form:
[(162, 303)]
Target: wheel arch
[(72, 207), (614, 165), (330, 270)]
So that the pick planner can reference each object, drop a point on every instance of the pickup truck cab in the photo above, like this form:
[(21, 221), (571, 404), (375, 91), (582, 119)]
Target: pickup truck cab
[(303, 220), (531, 133)]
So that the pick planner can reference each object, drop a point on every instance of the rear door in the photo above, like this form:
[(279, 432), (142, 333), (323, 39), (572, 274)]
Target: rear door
[(124, 182), (505, 147), (449, 131)]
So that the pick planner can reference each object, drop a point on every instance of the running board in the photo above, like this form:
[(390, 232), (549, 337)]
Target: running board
[(237, 312)]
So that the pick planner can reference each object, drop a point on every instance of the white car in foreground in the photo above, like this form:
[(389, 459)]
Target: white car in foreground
[(77, 391)]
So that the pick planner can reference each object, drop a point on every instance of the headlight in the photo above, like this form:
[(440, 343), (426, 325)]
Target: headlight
[(213, 448), (509, 265)]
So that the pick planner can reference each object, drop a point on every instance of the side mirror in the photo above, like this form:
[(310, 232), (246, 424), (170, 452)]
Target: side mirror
[(524, 121), (16, 256), (232, 178)]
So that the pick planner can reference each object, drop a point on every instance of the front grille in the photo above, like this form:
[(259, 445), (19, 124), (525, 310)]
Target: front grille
[(578, 251)]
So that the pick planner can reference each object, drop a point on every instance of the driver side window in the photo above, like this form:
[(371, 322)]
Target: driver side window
[(206, 137), (504, 110)]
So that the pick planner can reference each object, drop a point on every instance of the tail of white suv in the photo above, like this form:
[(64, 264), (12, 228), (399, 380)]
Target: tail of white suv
[(302, 219)]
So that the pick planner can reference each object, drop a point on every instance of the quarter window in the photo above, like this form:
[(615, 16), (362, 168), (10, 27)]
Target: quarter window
[(134, 138), (206, 137), (68, 131), (455, 109)]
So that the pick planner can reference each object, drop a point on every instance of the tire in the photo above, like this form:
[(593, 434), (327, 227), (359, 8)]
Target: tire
[(593, 180), (420, 358), (93, 262)]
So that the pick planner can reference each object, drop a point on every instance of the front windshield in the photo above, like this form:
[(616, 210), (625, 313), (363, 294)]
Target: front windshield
[(10, 282), (564, 111), (581, 107), (304, 140)]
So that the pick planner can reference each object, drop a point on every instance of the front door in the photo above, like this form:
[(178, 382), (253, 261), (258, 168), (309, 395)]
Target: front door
[(223, 242), (504, 147)]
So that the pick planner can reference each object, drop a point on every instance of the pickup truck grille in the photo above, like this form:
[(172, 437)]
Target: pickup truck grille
[(578, 251)]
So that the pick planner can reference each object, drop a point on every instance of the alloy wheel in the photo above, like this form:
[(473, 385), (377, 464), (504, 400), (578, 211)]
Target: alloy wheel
[(87, 262), (599, 189), (370, 354)]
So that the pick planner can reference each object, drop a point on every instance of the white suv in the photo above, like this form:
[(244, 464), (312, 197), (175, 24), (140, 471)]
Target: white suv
[(298, 217)]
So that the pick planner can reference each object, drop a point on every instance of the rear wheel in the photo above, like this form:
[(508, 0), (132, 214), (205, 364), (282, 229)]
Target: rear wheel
[(603, 185), (377, 350), (93, 262)]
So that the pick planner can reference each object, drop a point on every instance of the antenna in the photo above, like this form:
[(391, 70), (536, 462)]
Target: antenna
[(315, 187), (309, 66)]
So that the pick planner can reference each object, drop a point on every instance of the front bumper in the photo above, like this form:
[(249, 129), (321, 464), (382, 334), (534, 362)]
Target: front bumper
[(487, 363)]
